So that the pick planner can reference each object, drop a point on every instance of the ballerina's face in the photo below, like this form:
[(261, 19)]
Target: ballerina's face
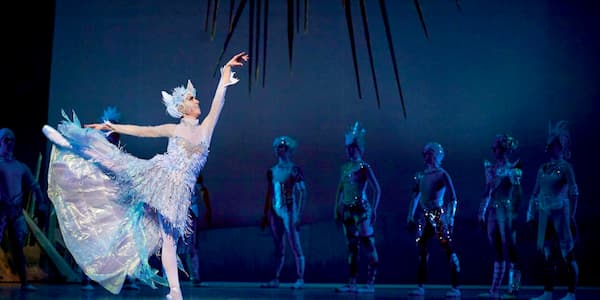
[(191, 106)]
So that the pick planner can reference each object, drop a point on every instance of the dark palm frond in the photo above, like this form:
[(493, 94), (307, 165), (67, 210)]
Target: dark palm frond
[(290, 28), (363, 12), (265, 31), (214, 20), (236, 19), (421, 18), (297, 15), (305, 16), (348, 12), (388, 34), (208, 5), (250, 43), (230, 20), (259, 16), (257, 40)]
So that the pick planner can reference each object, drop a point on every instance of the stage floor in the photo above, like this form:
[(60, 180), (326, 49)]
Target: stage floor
[(239, 291)]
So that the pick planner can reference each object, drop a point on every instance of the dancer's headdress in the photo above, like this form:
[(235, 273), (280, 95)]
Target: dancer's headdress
[(175, 99), (506, 142), (110, 114), (356, 134), (285, 140), (560, 131)]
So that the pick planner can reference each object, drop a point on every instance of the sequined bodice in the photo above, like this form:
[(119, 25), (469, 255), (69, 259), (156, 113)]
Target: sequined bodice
[(354, 179), (503, 178), (185, 158), (284, 179)]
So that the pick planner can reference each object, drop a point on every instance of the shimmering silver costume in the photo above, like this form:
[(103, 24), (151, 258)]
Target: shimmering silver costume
[(284, 202), (115, 210), (437, 218)]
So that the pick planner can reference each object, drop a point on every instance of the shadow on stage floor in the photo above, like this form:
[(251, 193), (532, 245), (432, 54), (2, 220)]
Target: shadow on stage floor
[(238, 291)]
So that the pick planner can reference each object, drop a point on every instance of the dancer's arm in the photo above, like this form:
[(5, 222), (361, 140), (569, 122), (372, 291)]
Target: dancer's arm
[(414, 200), (300, 188), (377, 190), (268, 200), (227, 79), (533, 204), (573, 191), (487, 194), (338, 196), (165, 130), (453, 203)]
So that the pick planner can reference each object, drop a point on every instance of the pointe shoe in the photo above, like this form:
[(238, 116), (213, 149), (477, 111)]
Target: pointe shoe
[(174, 294), (299, 284), (55, 137)]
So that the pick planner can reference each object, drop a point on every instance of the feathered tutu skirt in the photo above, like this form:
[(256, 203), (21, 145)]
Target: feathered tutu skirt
[(109, 233)]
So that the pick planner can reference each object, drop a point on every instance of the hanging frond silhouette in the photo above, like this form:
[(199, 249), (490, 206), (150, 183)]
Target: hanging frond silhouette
[(296, 10)]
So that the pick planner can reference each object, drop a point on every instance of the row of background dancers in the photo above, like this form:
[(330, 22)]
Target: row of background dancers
[(552, 206)]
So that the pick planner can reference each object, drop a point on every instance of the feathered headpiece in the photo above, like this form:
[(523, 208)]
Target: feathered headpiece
[(560, 132), (506, 142), (356, 134), (285, 140), (110, 114), (175, 99)]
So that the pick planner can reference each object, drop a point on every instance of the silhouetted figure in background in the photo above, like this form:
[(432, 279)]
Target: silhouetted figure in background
[(497, 214), (284, 202), (357, 211), (16, 180), (554, 203)]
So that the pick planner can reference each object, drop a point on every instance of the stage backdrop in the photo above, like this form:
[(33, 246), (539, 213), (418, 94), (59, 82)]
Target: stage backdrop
[(486, 67)]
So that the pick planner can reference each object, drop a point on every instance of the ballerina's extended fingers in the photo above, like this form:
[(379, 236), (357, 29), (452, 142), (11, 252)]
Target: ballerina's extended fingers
[(239, 59)]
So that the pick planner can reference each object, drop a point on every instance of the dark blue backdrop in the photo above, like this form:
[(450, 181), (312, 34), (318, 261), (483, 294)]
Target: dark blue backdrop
[(492, 67)]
